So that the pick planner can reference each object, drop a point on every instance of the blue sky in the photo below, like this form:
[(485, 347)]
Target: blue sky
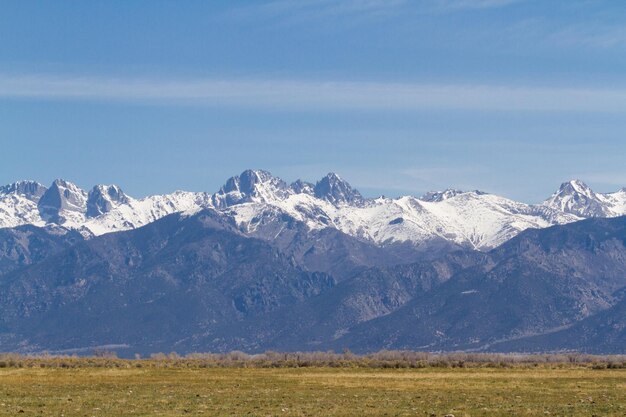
[(399, 97)]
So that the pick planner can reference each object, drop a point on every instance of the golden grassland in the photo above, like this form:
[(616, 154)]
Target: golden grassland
[(138, 390)]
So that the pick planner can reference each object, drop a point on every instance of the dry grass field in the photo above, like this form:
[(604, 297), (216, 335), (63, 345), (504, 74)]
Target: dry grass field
[(158, 391)]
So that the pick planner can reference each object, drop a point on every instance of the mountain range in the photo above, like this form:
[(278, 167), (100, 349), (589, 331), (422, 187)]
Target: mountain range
[(263, 264), (473, 219)]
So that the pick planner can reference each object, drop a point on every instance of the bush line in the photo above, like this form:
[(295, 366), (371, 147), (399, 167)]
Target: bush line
[(384, 360)]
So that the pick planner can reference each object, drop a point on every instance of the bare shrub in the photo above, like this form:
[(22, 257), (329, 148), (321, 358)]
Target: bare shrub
[(346, 359)]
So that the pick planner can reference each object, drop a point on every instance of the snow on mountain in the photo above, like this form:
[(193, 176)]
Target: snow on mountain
[(484, 221), (575, 197), (255, 199), (15, 210), (335, 190), (64, 203), (477, 220), (436, 196), (31, 190), (303, 187), (137, 213), (617, 202), (251, 186), (104, 198), (474, 219), (18, 204), (105, 209)]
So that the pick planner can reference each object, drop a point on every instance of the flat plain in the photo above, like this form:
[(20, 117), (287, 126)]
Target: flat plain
[(569, 391)]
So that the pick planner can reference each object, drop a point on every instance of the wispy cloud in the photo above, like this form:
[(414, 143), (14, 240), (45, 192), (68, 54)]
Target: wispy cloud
[(452, 5), (306, 95), (597, 36), (316, 9)]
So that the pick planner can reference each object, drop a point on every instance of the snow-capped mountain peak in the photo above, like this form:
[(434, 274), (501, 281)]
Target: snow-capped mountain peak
[(576, 197), (29, 189), (63, 202), (576, 187), (303, 187), (18, 203), (337, 191), (264, 206), (251, 186), (435, 196), (104, 198)]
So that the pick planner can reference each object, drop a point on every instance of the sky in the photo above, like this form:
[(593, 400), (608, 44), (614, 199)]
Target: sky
[(398, 97)]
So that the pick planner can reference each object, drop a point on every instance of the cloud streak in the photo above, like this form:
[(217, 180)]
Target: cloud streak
[(292, 13), (349, 7), (307, 95), (295, 11), (596, 36), (320, 8), (453, 5)]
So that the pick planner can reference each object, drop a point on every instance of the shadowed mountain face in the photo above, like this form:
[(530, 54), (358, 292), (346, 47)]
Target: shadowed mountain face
[(599, 333), (536, 283), (61, 201), (157, 286), (104, 198), (337, 191), (319, 322), (27, 245), (203, 281), (540, 282)]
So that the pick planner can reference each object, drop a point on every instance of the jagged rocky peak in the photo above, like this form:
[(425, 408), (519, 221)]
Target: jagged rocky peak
[(336, 190), (29, 189), (576, 187), (62, 196), (578, 198), (437, 196), (303, 187), (251, 185), (104, 198)]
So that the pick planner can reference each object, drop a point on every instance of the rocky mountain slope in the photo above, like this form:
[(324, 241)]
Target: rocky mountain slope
[(599, 333), (154, 287), (191, 282), (27, 245), (539, 282)]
